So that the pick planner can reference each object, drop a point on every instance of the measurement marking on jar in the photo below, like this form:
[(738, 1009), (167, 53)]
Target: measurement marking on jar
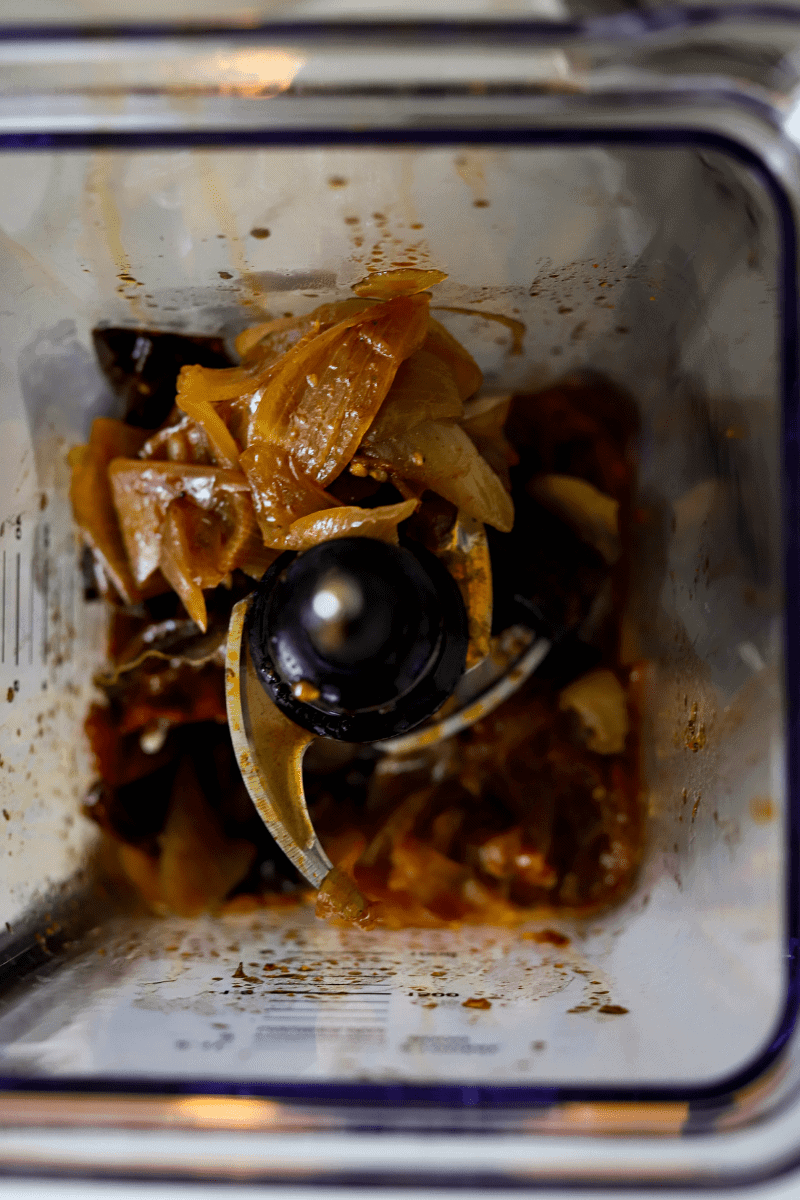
[(46, 591), (283, 1006), (305, 993), (16, 623), (333, 999), (56, 615), (37, 590), (30, 614), (73, 616)]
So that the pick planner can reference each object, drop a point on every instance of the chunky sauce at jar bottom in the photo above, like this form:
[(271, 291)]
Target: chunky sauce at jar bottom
[(534, 807)]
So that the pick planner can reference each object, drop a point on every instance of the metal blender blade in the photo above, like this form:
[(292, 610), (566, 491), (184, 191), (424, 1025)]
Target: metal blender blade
[(269, 747)]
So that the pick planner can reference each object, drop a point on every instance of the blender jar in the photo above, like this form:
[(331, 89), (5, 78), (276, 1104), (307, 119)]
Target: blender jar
[(623, 194)]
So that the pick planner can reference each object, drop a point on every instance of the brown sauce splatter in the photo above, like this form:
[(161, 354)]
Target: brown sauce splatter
[(516, 328), (762, 810), (549, 937)]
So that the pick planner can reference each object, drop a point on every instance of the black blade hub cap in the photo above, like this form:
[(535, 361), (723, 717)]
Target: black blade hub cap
[(357, 639)]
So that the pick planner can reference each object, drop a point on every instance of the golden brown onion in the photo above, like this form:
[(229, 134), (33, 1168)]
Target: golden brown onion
[(198, 865), (345, 521), (440, 456), (281, 493), (224, 447), (485, 421), (92, 502), (466, 372), (143, 491), (189, 538), (402, 281), (269, 341), (183, 440), (324, 394), (423, 390)]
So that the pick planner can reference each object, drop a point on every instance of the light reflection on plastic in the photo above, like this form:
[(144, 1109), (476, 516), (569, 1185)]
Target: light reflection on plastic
[(256, 72), (226, 1112), (791, 124), (666, 1118)]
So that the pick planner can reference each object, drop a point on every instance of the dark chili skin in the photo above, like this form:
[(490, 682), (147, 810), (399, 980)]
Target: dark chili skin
[(142, 367)]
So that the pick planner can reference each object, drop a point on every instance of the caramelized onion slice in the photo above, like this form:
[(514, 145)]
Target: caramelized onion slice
[(485, 424), (191, 544), (423, 390), (183, 440), (269, 341), (198, 865), (143, 491), (141, 869), (199, 548), (216, 384), (265, 350), (226, 452), (440, 456), (465, 370), (245, 547), (463, 548), (592, 514), (345, 522), (92, 502), (403, 281), (601, 705), (173, 640), (325, 393), (281, 492)]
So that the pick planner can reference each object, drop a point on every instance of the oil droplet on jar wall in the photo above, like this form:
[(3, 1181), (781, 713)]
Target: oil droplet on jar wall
[(477, 1002), (471, 168), (762, 810)]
